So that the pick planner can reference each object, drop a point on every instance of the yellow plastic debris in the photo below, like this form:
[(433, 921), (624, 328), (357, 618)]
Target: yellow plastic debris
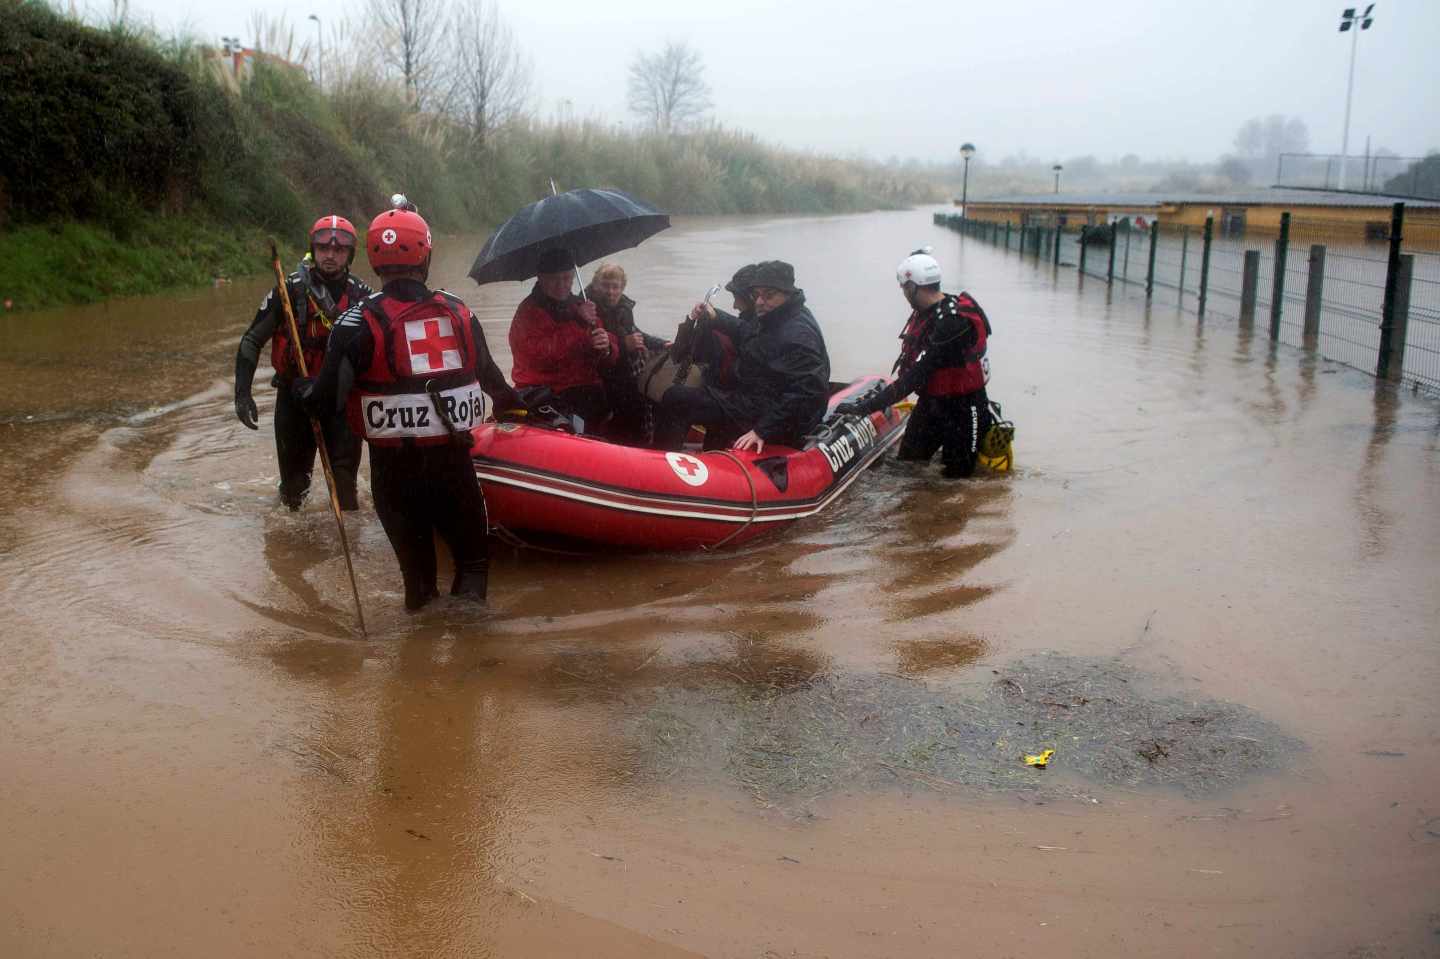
[(1040, 760)]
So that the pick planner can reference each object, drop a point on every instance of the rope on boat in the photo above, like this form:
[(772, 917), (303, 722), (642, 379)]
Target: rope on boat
[(511, 538), (754, 500)]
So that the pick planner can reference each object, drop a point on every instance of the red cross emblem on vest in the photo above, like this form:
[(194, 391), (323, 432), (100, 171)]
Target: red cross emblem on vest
[(434, 347)]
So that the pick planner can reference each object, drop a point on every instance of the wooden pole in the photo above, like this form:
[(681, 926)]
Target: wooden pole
[(284, 289)]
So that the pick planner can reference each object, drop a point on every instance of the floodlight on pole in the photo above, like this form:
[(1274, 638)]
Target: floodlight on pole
[(967, 150), (320, 33), (1353, 23), (1057, 168)]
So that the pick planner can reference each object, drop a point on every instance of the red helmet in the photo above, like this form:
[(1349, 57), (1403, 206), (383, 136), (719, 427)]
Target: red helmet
[(333, 229), (398, 238)]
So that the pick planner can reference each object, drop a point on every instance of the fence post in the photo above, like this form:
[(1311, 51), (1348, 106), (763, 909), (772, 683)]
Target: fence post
[(1205, 265), (1150, 269), (1400, 333), (1249, 281), (1084, 231), (1277, 294), (1125, 271), (1059, 232), (1392, 285), (1184, 250), (1110, 271), (1007, 236), (1314, 292)]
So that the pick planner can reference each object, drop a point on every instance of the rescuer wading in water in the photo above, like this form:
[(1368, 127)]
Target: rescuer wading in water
[(942, 357), (319, 292), (407, 366)]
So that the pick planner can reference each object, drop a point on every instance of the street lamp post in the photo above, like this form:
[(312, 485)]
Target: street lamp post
[(1354, 24), (967, 150), (320, 33), (1057, 168)]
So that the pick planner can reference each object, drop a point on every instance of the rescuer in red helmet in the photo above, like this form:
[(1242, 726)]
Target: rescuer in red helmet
[(407, 366), (320, 290)]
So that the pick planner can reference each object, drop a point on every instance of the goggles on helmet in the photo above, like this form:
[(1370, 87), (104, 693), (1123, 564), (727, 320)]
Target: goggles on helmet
[(328, 237)]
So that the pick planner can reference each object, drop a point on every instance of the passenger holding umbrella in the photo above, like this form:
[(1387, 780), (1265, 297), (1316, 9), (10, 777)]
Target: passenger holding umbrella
[(557, 342)]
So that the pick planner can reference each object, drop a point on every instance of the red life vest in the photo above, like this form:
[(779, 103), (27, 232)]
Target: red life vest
[(421, 346), (971, 369), (314, 331)]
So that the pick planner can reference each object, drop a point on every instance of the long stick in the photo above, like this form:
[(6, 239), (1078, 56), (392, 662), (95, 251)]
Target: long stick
[(284, 289)]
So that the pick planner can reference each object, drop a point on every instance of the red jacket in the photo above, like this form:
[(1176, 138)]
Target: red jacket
[(550, 343)]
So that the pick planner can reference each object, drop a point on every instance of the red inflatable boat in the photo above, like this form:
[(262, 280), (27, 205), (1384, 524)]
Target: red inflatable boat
[(543, 485)]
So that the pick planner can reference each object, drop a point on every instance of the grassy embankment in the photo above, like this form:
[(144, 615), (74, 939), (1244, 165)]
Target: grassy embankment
[(133, 164)]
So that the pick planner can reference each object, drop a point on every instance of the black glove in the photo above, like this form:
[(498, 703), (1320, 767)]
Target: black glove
[(849, 408), (245, 410), (300, 389)]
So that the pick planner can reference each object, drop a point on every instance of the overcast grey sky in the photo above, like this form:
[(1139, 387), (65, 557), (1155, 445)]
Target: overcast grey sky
[(1055, 78)]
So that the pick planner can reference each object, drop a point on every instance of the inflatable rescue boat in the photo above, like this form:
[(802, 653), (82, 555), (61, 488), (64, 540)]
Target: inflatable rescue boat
[(544, 486)]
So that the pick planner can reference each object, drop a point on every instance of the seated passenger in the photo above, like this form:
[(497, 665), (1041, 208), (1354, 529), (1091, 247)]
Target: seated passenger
[(782, 374), (631, 418), (715, 351), (557, 342)]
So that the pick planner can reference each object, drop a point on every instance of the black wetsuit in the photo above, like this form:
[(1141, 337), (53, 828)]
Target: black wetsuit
[(420, 490), (294, 438)]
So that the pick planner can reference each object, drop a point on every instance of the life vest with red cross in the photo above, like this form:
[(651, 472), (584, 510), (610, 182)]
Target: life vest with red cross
[(421, 384), (965, 369), (314, 327)]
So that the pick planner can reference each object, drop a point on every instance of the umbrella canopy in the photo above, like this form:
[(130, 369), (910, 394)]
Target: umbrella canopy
[(589, 223)]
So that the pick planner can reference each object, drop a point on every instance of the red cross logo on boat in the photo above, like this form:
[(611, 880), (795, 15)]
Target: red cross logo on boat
[(434, 347), (691, 470)]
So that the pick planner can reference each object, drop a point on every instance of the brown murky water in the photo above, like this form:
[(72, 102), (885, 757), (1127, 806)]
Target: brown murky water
[(199, 758)]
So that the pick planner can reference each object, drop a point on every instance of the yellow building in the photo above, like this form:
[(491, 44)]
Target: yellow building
[(1343, 217)]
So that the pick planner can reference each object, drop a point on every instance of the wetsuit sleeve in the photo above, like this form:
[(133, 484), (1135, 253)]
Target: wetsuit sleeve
[(252, 342), (652, 343), (492, 381), (803, 364), (953, 336), (347, 357)]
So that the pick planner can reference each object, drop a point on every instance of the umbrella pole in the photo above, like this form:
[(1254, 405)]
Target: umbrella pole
[(578, 282)]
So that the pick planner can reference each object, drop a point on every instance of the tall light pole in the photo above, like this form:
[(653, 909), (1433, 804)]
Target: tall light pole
[(967, 150), (1349, 21), (320, 33), (1057, 168)]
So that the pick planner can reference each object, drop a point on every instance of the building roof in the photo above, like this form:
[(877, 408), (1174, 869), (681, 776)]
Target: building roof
[(1265, 197)]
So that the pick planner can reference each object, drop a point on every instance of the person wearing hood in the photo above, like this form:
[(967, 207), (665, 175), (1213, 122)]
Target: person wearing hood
[(557, 343), (321, 290), (781, 376), (632, 421)]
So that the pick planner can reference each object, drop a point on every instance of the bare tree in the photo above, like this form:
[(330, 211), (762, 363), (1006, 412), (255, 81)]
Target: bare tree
[(1261, 141), (491, 76), (668, 89), (411, 37)]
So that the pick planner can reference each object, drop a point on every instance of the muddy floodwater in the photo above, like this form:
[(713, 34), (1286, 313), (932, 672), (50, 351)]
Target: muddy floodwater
[(1209, 586)]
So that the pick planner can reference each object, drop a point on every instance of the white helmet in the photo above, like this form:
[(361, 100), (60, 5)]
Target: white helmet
[(919, 268)]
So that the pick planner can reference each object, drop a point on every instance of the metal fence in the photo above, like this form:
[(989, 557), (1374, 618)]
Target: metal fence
[(1392, 175), (1371, 305)]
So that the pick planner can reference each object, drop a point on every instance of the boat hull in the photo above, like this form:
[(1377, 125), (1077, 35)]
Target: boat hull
[(542, 485)]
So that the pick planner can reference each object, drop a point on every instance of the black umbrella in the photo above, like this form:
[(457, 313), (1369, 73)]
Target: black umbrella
[(589, 223)]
